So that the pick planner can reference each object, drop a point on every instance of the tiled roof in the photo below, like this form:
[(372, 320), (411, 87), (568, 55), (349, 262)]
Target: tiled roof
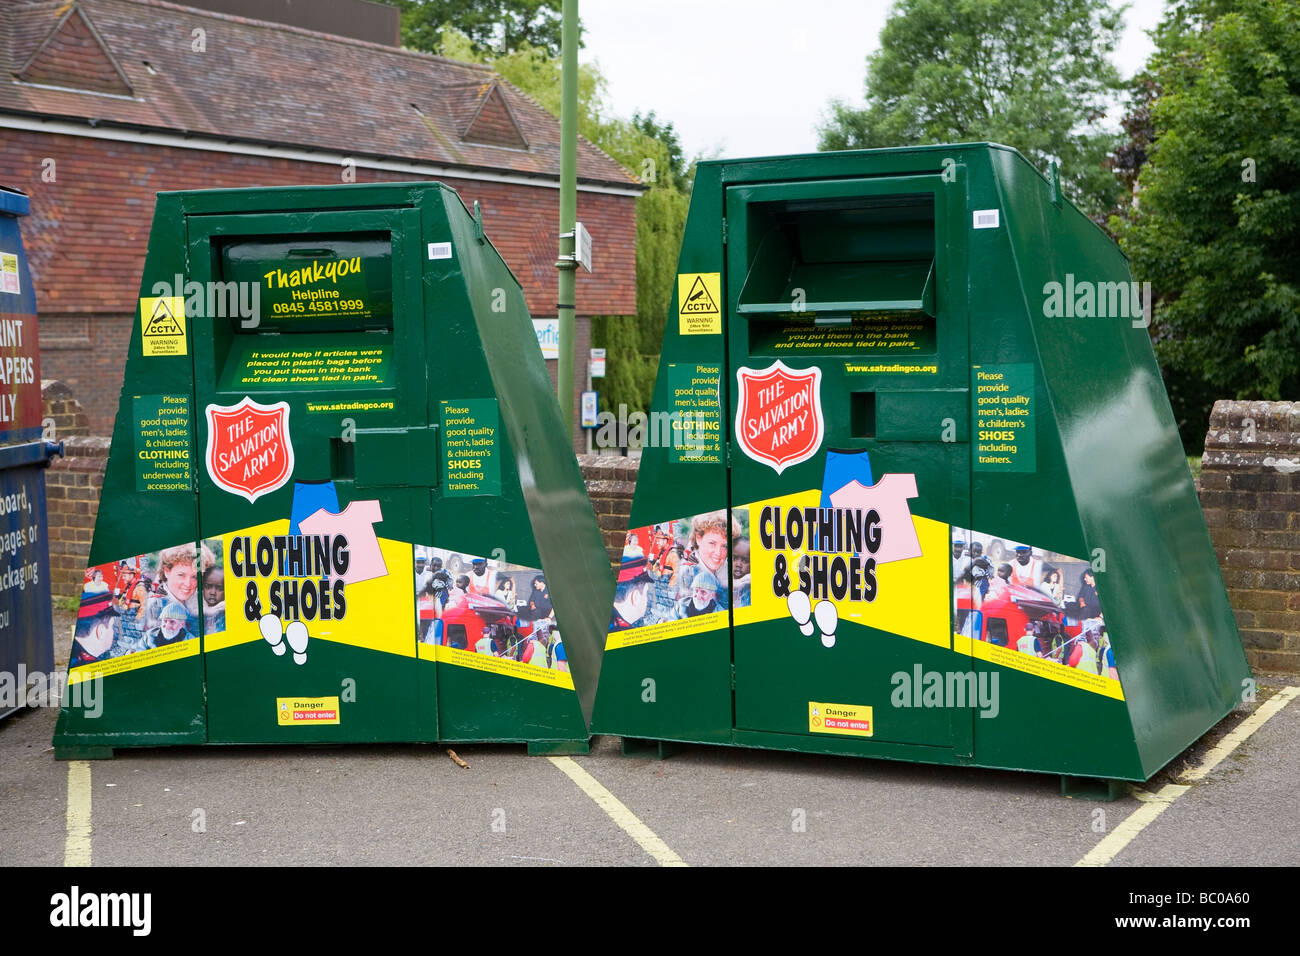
[(268, 83), (494, 122), (27, 24), (74, 55)]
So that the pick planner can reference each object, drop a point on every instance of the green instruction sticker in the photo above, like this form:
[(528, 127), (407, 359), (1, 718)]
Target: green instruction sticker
[(696, 419), (310, 364), (163, 452), (863, 334), (471, 447), (1003, 411)]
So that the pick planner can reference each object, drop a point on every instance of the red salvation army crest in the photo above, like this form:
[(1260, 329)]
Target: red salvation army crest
[(249, 450), (779, 414)]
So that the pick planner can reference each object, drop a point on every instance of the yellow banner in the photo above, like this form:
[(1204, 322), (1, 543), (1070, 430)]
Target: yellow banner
[(1039, 667), (632, 636), (223, 639), (378, 614), (131, 662), (496, 665), (853, 720), (913, 597)]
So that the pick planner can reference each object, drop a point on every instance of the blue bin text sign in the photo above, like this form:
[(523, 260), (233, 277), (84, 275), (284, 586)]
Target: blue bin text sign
[(26, 641), (26, 617)]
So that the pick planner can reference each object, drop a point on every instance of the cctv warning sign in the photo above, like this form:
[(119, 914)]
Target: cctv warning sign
[(162, 325), (699, 297)]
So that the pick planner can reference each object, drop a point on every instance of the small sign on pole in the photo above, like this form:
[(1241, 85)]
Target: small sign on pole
[(597, 363), (590, 409), (582, 245)]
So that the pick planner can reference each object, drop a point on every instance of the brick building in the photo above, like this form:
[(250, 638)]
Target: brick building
[(108, 102)]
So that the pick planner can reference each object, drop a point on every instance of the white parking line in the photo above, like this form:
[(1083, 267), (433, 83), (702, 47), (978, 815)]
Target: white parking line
[(76, 848), (1156, 803), (620, 814)]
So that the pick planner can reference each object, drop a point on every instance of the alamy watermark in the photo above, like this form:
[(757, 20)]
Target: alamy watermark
[(689, 431), (216, 300), (76, 908), (960, 689), (38, 689), (1083, 299)]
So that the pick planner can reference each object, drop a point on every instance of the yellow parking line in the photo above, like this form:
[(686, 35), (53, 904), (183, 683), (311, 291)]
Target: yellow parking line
[(620, 814), (76, 849), (1123, 834), (1156, 803), (1247, 727)]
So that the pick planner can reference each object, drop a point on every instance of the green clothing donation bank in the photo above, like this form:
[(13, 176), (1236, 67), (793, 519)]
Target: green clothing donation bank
[(912, 486), (340, 504)]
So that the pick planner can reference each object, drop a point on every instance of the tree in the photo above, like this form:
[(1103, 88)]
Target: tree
[(1033, 74), (1216, 226), (490, 26), (1173, 64), (665, 134)]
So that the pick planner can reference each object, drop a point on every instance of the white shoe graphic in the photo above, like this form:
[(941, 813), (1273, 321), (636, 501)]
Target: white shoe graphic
[(827, 618), (269, 625), (801, 611), (296, 635)]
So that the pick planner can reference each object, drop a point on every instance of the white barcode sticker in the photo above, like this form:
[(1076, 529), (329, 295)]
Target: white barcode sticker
[(440, 250), (987, 218)]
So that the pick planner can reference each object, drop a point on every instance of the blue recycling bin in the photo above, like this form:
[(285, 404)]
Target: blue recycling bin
[(26, 620)]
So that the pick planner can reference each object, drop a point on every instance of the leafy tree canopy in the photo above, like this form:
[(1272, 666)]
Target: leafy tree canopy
[(664, 133), (490, 26), (1216, 224), (1033, 74)]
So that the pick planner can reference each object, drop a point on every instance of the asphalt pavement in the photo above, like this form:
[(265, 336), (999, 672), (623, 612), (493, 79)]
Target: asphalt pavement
[(412, 804)]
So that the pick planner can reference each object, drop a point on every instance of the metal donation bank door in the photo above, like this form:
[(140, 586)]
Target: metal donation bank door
[(903, 473), (847, 348), (321, 377), (314, 511)]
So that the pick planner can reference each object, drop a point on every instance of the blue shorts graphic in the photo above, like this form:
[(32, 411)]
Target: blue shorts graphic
[(843, 467), (310, 497)]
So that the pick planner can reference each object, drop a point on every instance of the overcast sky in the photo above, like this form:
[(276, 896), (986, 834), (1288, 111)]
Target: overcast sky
[(749, 77)]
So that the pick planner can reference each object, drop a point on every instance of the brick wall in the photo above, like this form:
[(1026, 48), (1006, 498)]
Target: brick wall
[(1250, 490), (86, 237), (611, 481), (62, 415), (72, 487)]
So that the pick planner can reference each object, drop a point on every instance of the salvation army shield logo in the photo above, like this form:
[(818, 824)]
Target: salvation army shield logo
[(779, 414), (249, 451)]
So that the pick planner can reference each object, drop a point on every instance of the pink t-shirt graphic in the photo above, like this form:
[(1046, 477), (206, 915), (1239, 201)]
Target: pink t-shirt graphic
[(356, 523), (888, 497)]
